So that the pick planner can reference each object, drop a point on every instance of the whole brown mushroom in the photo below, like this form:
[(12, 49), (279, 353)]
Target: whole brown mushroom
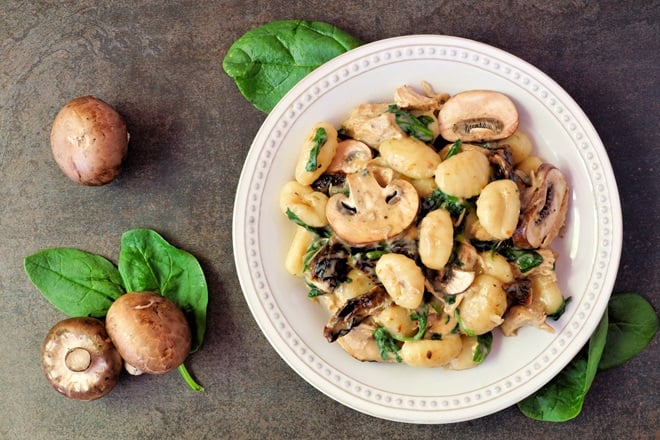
[(150, 332), (79, 359), (89, 141)]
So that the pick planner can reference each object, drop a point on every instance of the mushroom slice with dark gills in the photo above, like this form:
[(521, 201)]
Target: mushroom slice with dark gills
[(372, 213), (543, 209), (328, 266), (478, 115), (354, 311)]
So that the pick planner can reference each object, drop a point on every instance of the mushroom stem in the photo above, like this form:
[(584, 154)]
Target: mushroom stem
[(78, 359), (189, 379)]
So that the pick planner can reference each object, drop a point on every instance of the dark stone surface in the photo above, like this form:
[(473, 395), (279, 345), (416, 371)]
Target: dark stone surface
[(159, 64)]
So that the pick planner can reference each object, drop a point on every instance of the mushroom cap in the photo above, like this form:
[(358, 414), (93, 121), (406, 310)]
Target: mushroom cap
[(150, 332), (89, 141), (478, 115), (371, 212), (79, 359)]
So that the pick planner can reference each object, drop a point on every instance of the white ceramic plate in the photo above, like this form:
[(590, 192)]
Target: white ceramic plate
[(589, 251)]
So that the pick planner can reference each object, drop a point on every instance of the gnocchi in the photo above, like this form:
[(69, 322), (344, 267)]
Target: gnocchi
[(463, 175), (498, 208), (402, 279), (409, 244)]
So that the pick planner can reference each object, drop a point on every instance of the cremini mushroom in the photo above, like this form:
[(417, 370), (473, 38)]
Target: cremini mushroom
[(89, 141), (454, 281), (351, 156), (354, 311), (150, 332), (478, 115), (79, 359), (543, 209), (371, 212)]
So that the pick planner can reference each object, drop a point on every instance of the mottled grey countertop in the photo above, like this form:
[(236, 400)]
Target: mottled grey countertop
[(159, 64)]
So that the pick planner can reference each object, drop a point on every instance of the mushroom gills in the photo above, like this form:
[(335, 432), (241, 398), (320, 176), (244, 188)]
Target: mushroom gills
[(544, 208), (486, 125), (354, 311)]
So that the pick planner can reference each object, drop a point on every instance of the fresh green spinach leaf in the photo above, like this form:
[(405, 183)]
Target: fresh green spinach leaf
[(266, 62), (76, 282), (562, 398), (632, 325), (147, 262)]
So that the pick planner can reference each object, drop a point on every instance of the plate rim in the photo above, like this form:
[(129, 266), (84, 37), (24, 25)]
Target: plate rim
[(241, 224)]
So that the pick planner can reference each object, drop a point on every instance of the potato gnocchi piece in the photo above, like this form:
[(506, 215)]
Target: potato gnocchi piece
[(546, 290), (465, 358), (436, 239), (396, 321), (359, 284), (410, 157), (482, 307), (304, 202), (496, 265), (431, 353), (498, 208), (529, 165), (402, 278), (293, 262), (316, 154), (463, 175), (520, 144)]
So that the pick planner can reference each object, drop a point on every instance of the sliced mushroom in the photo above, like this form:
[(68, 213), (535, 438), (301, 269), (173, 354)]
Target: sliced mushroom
[(372, 124), (79, 359), (519, 291), (543, 210), (350, 157), (453, 281), (360, 344), (524, 315), (478, 115), (408, 98), (328, 267), (372, 213), (355, 311)]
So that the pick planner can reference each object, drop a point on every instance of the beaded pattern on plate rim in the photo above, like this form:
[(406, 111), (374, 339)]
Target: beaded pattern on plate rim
[(582, 309)]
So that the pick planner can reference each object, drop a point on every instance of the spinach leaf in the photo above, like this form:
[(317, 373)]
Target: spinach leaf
[(148, 262), (266, 62), (320, 138), (562, 308), (321, 232), (632, 325), (454, 149), (439, 199), (562, 398), (484, 344), (525, 259), (416, 127), (386, 344), (76, 282)]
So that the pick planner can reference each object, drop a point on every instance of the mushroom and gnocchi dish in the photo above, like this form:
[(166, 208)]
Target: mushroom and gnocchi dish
[(423, 224)]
